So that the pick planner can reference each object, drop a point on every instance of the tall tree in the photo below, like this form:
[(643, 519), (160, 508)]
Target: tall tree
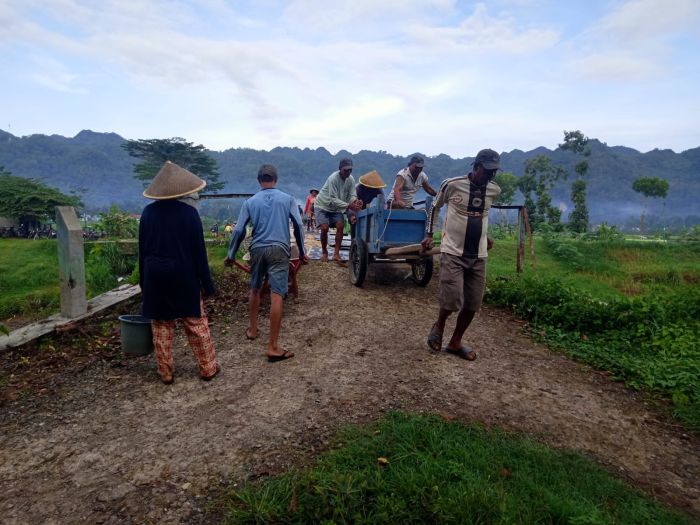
[(154, 153), (577, 143), (20, 197), (649, 187), (539, 178)]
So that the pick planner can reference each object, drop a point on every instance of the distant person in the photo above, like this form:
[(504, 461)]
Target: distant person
[(269, 211), (173, 269), (309, 209), (408, 181), (228, 229), (215, 230), (370, 185), (337, 196), (463, 248)]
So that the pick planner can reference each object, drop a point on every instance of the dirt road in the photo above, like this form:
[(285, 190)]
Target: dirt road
[(114, 445)]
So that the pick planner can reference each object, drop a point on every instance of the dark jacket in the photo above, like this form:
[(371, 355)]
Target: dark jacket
[(173, 265)]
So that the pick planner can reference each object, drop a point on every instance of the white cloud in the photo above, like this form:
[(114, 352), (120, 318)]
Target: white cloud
[(481, 32), (615, 66), (633, 42), (53, 74), (341, 18), (646, 19)]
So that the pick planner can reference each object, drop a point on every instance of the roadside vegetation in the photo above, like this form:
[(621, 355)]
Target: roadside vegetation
[(627, 307), (423, 469)]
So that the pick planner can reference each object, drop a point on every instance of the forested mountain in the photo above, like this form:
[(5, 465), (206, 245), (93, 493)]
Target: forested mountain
[(94, 166)]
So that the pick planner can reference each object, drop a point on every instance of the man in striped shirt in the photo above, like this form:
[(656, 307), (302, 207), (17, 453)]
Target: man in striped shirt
[(463, 248)]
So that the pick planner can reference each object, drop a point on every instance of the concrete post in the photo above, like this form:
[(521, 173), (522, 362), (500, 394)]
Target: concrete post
[(71, 262)]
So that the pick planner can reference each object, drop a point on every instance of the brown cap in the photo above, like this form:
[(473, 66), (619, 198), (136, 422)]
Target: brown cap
[(372, 179), (173, 182)]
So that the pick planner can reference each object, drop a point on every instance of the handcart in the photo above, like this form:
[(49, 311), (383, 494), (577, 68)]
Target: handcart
[(391, 236)]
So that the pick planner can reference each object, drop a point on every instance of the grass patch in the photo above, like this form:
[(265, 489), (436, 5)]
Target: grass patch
[(28, 277), (441, 472), (630, 308), (29, 284)]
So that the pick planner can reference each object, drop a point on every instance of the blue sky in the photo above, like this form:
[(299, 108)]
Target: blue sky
[(440, 76)]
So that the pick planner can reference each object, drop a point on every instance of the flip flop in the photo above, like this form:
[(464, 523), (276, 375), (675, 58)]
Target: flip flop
[(275, 358), (434, 340), (247, 336), (464, 352)]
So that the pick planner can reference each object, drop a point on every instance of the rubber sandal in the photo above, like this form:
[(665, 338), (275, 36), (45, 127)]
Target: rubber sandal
[(434, 340), (464, 352), (248, 337), (275, 358)]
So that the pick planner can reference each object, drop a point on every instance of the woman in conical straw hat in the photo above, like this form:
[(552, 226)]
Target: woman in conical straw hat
[(368, 187), (173, 269)]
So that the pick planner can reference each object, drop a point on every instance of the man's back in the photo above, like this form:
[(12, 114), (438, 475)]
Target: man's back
[(269, 212)]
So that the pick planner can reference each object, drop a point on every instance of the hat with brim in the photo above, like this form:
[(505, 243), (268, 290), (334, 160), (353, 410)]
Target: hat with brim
[(173, 182), (373, 180), (313, 190)]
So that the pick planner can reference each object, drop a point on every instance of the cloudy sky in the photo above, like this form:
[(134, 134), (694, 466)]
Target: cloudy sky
[(440, 76)]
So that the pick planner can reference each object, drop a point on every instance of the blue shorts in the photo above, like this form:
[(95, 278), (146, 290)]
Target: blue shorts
[(273, 261), (328, 217)]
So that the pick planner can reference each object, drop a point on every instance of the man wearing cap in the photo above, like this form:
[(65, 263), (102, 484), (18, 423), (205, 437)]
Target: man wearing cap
[(463, 248), (407, 183), (309, 209), (173, 269), (337, 196), (269, 211)]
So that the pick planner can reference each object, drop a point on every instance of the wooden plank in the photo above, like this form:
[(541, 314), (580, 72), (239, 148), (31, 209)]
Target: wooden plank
[(399, 250)]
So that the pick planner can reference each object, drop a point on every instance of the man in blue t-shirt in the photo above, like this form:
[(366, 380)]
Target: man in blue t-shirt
[(269, 211)]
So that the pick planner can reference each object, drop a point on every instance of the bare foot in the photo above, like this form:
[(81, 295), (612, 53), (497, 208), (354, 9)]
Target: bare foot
[(339, 261), (251, 334), (324, 257)]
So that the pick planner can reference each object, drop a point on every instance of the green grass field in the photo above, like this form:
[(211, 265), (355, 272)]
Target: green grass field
[(421, 469), (28, 277), (606, 269)]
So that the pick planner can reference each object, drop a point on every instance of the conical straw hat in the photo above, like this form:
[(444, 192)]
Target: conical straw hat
[(372, 179), (173, 182)]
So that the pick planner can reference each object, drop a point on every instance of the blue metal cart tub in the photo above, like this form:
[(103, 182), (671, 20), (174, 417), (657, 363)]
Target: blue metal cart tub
[(379, 229)]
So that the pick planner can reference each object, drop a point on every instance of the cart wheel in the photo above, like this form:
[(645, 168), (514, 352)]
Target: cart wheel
[(422, 270), (359, 261)]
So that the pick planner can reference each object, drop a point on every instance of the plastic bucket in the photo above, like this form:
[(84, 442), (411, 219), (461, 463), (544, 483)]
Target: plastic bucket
[(137, 337)]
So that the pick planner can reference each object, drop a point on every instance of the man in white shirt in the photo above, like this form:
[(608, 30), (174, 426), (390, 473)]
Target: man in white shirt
[(408, 181), (463, 248)]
